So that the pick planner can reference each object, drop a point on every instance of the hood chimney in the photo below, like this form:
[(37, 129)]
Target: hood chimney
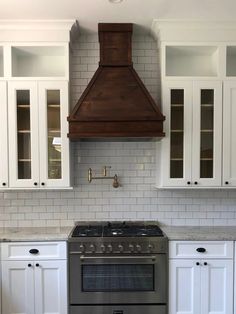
[(115, 103)]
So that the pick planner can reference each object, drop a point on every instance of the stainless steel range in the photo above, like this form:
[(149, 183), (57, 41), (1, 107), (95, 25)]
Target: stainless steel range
[(118, 268)]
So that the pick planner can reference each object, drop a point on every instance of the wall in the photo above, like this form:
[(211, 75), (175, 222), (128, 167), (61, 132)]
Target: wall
[(134, 162)]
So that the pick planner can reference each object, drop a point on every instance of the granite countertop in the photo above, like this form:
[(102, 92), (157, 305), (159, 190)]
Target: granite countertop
[(172, 233), (35, 234), (200, 233)]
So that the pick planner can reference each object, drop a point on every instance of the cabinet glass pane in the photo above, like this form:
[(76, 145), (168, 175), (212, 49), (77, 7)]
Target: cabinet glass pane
[(23, 134), (176, 133), (54, 134), (207, 133)]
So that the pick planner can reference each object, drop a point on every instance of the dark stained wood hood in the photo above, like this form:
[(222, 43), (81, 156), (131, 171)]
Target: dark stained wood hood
[(115, 103)]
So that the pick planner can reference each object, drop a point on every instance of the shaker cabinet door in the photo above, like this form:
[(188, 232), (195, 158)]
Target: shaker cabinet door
[(184, 287), (207, 133), (23, 134), (217, 287), (17, 287), (3, 136), (50, 287)]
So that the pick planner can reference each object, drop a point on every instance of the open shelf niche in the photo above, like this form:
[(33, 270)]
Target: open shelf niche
[(38, 61), (192, 61)]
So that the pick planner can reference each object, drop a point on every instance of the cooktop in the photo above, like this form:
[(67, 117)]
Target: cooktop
[(116, 229)]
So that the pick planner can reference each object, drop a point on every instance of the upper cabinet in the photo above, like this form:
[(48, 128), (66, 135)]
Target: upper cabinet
[(38, 143), (198, 72), (191, 150), (34, 85)]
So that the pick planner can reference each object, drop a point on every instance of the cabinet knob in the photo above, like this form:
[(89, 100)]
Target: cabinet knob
[(188, 182), (195, 182), (42, 183), (205, 263), (197, 263), (33, 251), (29, 265), (201, 250), (35, 183), (4, 184), (37, 264), (226, 182)]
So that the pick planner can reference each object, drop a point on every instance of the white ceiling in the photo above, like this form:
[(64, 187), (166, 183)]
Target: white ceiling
[(140, 12)]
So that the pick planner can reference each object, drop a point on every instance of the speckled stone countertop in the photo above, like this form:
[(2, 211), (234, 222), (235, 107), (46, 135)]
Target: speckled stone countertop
[(35, 234), (200, 233)]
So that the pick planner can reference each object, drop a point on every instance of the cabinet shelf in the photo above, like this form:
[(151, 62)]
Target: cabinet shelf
[(207, 131), (24, 131), (177, 131), (207, 105), (177, 105), (176, 159), (53, 106), (26, 106), (24, 160), (55, 160)]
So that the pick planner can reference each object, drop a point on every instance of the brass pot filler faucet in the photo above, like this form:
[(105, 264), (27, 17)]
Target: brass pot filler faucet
[(115, 183)]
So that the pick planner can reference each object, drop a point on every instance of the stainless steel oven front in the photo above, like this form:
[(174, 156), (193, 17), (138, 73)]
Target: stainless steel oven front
[(97, 279)]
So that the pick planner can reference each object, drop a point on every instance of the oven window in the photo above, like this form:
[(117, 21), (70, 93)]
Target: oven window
[(117, 277)]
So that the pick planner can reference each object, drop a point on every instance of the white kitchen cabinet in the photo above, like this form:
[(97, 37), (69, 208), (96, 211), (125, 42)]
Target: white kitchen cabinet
[(36, 285), (191, 151), (200, 284), (229, 134), (4, 136), (38, 143)]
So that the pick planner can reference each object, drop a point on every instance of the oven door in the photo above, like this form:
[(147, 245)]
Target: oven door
[(118, 279)]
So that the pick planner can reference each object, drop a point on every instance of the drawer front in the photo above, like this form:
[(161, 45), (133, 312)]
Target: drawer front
[(201, 249), (34, 250)]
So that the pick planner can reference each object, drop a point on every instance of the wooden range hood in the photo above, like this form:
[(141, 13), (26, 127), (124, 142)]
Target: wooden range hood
[(115, 103)]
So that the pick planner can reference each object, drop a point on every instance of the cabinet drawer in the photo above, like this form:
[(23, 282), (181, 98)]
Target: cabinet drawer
[(199, 249), (33, 250)]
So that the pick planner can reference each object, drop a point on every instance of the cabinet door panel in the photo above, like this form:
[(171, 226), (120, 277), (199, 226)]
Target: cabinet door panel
[(54, 143), (217, 287), (176, 146), (17, 288), (184, 287), (51, 287), (229, 134), (4, 136), (23, 134), (207, 133)]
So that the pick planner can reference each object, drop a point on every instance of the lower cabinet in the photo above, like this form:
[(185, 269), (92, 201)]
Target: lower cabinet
[(200, 285), (34, 286)]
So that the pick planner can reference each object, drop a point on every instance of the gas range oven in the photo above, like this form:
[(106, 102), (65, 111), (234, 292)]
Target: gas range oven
[(117, 268)]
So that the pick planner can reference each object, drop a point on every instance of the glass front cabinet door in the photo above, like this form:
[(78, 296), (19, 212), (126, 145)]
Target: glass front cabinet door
[(4, 136), (53, 129), (23, 134), (191, 151), (38, 144), (176, 146), (207, 133)]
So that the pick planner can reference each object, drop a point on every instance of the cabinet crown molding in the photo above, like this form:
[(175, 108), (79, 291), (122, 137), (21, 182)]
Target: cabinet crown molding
[(194, 30), (36, 30)]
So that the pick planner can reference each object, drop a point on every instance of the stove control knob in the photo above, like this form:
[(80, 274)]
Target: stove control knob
[(92, 248), (109, 248), (138, 247), (131, 247), (103, 248), (82, 248), (120, 248), (150, 247)]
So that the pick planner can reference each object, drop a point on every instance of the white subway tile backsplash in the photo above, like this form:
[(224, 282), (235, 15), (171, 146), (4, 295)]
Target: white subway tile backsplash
[(133, 161)]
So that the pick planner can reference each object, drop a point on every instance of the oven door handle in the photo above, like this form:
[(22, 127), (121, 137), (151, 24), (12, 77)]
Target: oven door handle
[(82, 257)]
